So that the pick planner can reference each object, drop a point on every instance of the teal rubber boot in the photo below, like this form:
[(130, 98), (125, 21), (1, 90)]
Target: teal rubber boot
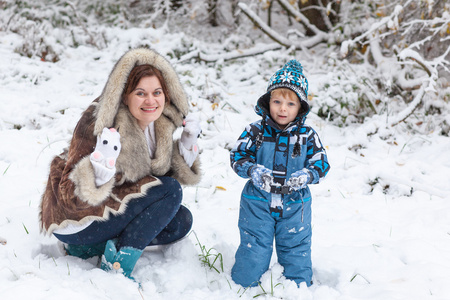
[(85, 251), (122, 261)]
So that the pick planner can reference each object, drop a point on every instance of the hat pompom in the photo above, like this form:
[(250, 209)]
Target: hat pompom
[(294, 65)]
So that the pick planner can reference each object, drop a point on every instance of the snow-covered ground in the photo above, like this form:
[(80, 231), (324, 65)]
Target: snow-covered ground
[(381, 219)]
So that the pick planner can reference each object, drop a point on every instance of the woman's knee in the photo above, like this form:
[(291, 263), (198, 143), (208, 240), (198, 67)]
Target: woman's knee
[(182, 222), (186, 218), (185, 214), (173, 187)]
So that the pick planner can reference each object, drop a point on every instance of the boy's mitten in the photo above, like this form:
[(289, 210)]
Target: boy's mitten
[(105, 154), (262, 177), (190, 134), (299, 180)]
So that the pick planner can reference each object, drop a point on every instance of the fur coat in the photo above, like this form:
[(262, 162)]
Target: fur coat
[(71, 195)]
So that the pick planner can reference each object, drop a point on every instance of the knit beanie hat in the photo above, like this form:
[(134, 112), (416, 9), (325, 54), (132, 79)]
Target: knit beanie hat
[(290, 76)]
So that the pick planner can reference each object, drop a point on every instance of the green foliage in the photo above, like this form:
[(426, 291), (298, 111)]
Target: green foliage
[(209, 257), (263, 291), (4, 172), (24, 227)]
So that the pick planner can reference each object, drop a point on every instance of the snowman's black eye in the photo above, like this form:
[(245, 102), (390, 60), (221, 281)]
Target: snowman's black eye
[(105, 142), (115, 148)]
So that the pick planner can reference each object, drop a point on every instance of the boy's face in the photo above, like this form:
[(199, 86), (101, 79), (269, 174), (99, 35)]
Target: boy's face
[(284, 108)]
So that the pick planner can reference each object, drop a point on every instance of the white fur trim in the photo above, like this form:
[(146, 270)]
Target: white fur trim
[(111, 96), (83, 177), (107, 211)]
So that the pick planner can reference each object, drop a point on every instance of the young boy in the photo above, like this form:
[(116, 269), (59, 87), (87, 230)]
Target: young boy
[(281, 155)]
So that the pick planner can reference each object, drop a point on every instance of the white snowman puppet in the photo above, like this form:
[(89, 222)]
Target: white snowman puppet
[(105, 154)]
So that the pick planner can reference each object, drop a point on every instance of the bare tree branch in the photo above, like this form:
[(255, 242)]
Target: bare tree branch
[(307, 43), (300, 17), (263, 26), (91, 37), (234, 54), (409, 110), (427, 85), (324, 12)]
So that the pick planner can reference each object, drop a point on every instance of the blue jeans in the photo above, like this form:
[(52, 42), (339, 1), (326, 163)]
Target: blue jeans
[(157, 218)]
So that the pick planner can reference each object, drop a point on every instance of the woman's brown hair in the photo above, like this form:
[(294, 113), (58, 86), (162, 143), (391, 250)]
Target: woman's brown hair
[(137, 73)]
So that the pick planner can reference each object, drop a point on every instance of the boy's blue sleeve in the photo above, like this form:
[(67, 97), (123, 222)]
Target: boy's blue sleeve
[(242, 156), (316, 158)]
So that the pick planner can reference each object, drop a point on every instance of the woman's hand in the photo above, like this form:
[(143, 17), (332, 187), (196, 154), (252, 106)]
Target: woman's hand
[(105, 154), (190, 134)]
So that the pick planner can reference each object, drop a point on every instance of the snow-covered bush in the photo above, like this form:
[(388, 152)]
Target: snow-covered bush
[(404, 46), (384, 57)]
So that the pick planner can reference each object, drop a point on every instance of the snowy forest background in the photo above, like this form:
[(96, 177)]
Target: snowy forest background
[(379, 75)]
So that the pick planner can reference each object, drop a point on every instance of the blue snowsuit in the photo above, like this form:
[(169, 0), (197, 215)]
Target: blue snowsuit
[(264, 143)]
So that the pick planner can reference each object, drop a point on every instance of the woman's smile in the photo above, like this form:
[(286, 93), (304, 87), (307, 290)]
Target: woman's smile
[(151, 109)]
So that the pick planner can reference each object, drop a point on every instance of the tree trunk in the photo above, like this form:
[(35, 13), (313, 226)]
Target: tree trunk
[(315, 11)]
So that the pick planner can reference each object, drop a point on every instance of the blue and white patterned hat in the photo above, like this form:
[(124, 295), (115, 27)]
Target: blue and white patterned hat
[(290, 76)]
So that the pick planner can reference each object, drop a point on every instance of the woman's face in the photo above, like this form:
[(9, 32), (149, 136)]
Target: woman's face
[(146, 101)]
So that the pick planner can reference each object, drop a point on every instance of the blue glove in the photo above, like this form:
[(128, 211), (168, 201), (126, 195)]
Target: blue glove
[(299, 180), (262, 177)]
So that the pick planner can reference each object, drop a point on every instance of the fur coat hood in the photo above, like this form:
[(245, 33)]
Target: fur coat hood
[(71, 195)]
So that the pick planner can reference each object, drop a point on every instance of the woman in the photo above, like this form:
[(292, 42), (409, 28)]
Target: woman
[(116, 189)]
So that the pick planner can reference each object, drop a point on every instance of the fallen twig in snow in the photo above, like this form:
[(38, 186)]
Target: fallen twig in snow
[(415, 185), (409, 110)]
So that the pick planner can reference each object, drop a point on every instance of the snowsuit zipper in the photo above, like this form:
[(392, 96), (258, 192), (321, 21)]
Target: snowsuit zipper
[(302, 209)]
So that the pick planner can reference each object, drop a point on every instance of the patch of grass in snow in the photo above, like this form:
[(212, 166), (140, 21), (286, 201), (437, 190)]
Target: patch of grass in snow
[(209, 257), (264, 292), (356, 275), (25, 228), (6, 169)]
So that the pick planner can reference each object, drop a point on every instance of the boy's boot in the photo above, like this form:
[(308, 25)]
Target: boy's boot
[(122, 261), (85, 251)]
